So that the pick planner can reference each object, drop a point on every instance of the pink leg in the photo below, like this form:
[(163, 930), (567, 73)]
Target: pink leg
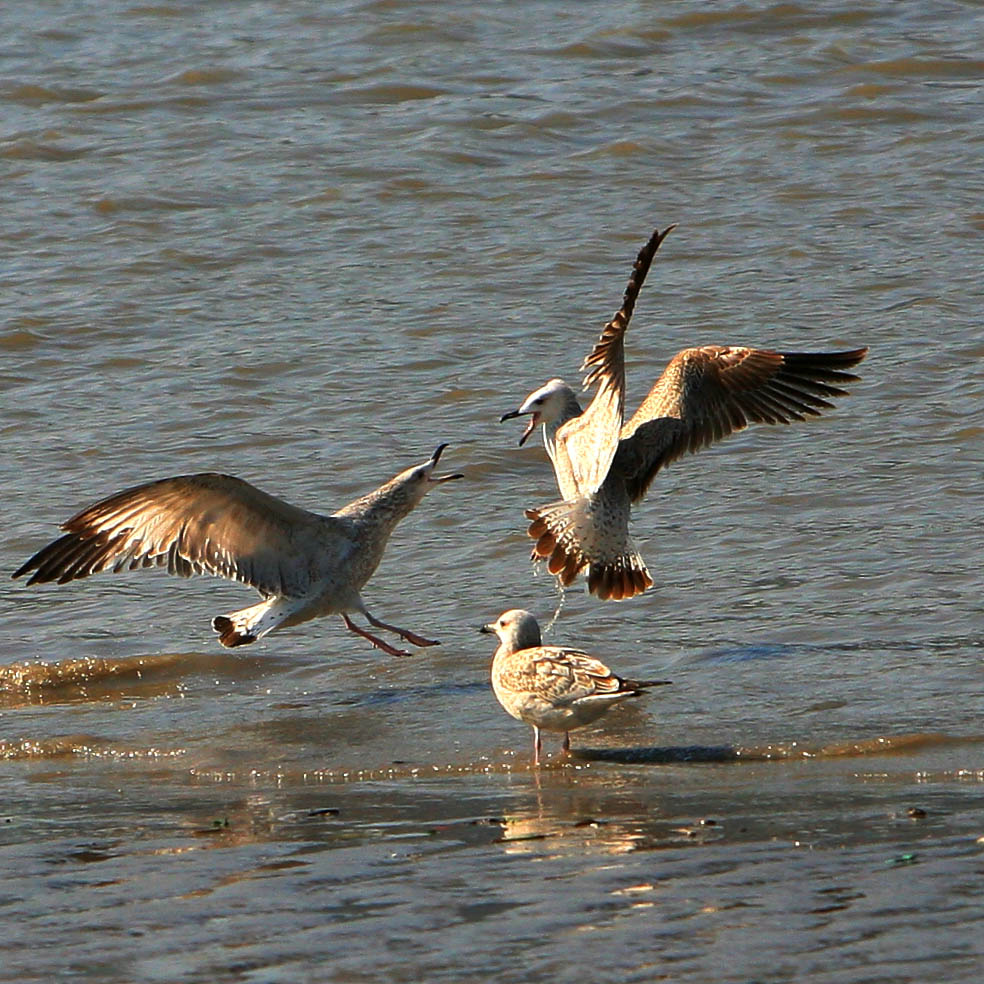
[(411, 637), (375, 640), (537, 745)]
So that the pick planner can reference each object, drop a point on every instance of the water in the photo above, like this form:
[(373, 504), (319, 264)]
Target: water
[(306, 243)]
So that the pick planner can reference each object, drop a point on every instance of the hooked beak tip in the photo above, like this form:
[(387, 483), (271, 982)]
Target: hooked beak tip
[(509, 416)]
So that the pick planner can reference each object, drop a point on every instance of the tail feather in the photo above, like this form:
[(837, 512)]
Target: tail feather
[(567, 536), (230, 635), (639, 686), (249, 624)]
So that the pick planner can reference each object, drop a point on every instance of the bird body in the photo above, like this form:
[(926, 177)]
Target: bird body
[(604, 465), (551, 688), (304, 565)]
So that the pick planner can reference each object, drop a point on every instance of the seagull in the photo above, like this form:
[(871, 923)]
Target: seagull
[(552, 688), (604, 465), (304, 565)]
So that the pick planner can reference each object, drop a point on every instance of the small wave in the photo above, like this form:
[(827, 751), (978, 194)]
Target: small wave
[(925, 68), (78, 745), (20, 677), (389, 94), (36, 150), (205, 76), (19, 338), (37, 95), (90, 678)]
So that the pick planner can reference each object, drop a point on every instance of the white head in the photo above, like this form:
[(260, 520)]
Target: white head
[(553, 403), (517, 629)]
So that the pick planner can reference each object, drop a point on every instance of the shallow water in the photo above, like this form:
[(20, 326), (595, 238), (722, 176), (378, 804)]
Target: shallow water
[(306, 243)]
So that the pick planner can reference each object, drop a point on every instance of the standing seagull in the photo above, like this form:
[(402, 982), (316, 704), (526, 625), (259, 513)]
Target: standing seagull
[(304, 565), (604, 466), (551, 687)]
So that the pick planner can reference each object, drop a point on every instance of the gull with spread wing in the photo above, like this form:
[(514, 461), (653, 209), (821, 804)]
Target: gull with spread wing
[(303, 564), (552, 688), (603, 465)]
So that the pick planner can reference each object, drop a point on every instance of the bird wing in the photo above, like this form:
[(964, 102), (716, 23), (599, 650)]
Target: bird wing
[(589, 441), (568, 675), (706, 393), (192, 524)]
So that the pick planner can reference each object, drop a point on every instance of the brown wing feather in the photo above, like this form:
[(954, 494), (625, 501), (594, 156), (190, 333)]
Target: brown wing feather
[(192, 524), (591, 439), (707, 393)]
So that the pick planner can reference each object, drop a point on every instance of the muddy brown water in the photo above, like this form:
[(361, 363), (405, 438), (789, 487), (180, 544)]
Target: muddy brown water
[(306, 243)]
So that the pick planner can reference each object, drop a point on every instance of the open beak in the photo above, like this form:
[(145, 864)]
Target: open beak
[(435, 457), (530, 427)]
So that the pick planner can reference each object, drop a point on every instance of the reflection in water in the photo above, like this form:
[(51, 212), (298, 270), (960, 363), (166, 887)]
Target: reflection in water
[(881, 745)]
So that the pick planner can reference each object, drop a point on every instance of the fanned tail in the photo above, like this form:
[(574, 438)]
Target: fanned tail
[(567, 539)]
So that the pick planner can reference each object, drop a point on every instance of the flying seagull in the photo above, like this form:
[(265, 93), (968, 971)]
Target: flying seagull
[(604, 465), (552, 688), (304, 565)]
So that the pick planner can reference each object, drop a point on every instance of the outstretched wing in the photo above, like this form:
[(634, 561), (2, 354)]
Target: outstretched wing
[(192, 524), (706, 393), (590, 440)]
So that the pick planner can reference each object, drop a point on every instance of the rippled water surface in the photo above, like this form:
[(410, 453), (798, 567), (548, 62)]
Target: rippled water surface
[(303, 244)]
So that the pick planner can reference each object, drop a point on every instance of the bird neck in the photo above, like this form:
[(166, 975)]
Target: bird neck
[(522, 637), (385, 507), (569, 411)]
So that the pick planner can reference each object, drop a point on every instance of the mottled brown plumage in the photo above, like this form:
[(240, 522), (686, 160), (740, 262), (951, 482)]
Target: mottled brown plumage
[(551, 687), (603, 467), (304, 565)]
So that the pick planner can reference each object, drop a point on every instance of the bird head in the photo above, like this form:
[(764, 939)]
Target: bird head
[(551, 402), (517, 629)]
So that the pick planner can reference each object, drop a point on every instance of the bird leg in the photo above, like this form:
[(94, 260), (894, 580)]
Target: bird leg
[(375, 640), (567, 742), (411, 637), (537, 745)]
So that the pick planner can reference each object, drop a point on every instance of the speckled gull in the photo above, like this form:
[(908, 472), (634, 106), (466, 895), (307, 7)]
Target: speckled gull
[(551, 688), (603, 465), (303, 564)]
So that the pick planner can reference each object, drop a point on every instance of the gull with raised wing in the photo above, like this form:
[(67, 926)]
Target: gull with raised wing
[(603, 465), (304, 565), (551, 688)]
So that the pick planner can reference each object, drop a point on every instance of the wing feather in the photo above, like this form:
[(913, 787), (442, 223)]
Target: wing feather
[(571, 675), (193, 524), (590, 440), (707, 393)]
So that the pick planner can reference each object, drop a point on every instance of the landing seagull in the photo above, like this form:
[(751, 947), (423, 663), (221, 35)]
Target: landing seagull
[(551, 687), (304, 565), (604, 465)]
